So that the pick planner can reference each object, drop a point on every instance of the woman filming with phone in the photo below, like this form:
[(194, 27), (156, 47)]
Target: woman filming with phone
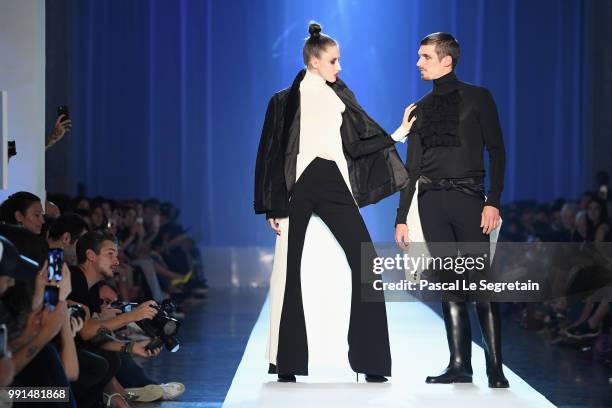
[(43, 351)]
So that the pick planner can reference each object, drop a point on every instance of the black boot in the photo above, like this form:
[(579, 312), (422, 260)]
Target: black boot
[(490, 326), (459, 336)]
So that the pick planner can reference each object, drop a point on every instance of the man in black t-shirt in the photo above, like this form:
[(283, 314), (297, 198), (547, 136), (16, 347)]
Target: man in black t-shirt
[(97, 253), (97, 257)]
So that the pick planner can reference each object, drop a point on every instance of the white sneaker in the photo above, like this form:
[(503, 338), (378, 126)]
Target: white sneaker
[(148, 393), (172, 390)]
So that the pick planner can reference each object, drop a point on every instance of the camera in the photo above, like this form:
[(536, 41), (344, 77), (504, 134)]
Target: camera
[(77, 311), (124, 306), (63, 110), (12, 149), (163, 328)]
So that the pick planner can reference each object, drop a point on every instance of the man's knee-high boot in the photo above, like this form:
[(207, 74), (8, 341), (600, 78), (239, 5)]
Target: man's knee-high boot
[(490, 325), (459, 336)]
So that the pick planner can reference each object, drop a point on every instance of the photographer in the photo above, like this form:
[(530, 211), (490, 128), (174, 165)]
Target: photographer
[(131, 375), (97, 257)]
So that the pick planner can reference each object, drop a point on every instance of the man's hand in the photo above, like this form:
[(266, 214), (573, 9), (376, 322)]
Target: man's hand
[(401, 236), (144, 311), (108, 313), (489, 219), (406, 121), (139, 349), (275, 225)]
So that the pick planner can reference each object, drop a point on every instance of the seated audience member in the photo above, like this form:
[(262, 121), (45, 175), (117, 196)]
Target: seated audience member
[(131, 375), (38, 358), (64, 233), (97, 257), (24, 209)]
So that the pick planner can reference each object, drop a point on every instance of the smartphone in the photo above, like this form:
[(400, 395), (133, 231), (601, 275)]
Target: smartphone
[(51, 297), (63, 110), (12, 148), (55, 264), (3, 340)]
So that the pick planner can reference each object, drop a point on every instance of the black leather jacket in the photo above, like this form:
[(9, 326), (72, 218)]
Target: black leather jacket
[(375, 169)]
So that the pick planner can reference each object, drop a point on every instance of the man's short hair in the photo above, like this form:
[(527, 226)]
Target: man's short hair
[(69, 222), (445, 44), (92, 240)]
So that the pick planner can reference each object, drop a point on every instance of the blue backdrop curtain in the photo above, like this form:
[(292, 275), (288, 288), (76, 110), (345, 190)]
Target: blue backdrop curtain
[(168, 97)]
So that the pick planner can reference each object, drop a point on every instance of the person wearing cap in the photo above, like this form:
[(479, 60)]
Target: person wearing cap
[(37, 362), (13, 265), (11, 262)]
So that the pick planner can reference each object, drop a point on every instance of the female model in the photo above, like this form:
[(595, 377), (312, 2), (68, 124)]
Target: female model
[(320, 153)]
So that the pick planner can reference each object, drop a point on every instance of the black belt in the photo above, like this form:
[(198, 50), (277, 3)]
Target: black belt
[(473, 186)]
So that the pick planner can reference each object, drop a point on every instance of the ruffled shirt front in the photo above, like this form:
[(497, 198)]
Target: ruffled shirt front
[(455, 123)]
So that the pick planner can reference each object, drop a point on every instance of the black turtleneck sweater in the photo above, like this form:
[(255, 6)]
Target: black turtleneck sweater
[(455, 122)]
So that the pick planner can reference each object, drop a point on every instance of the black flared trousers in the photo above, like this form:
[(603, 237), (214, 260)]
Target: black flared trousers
[(322, 190)]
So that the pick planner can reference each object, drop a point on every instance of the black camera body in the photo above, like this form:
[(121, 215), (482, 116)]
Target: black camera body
[(77, 311), (163, 328)]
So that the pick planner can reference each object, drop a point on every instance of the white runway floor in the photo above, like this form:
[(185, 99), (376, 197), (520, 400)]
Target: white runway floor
[(418, 349)]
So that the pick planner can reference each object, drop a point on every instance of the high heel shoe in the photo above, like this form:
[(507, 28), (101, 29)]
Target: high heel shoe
[(373, 378), (286, 378)]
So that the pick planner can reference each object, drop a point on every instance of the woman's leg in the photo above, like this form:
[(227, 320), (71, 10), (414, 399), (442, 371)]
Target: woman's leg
[(368, 335), (292, 354)]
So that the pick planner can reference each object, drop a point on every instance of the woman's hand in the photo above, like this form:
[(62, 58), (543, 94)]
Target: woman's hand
[(406, 121), (65, 285), (60, 128), (76, 324), (274, 223)]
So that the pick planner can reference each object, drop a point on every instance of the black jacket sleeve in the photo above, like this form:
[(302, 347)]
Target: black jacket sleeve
[(270, 188), (413, 160), (369, 136), (494, 142)]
